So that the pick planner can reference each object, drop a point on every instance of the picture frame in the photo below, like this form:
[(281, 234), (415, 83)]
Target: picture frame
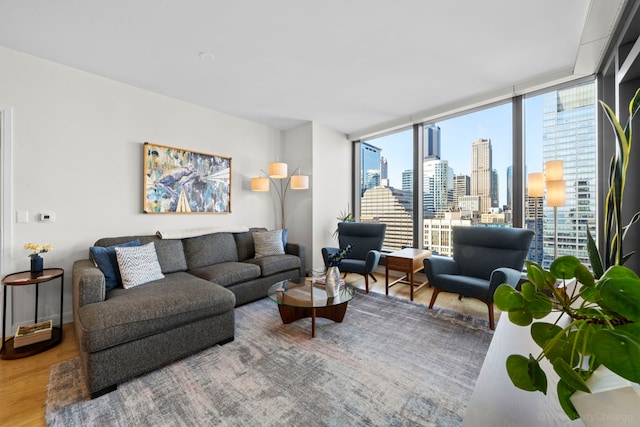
[(177, 180)]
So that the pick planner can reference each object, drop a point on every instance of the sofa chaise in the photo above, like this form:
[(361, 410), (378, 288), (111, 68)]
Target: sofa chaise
[(123, 333)]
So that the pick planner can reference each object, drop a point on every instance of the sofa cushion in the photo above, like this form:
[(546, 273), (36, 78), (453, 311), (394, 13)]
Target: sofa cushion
[(244, 243), (129, 314), (105, 259), (275, 263), (227, 273), (138, 265), (268, 243), (210, 249), (171, 255), (170, 252)]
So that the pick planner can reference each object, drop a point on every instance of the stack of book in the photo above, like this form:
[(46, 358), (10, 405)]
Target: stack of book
[(31, 334)]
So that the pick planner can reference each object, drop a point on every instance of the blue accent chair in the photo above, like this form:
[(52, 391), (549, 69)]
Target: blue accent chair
[(366, 238), (483, 259)]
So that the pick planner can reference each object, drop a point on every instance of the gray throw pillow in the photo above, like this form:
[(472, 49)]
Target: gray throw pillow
[(268, 243)]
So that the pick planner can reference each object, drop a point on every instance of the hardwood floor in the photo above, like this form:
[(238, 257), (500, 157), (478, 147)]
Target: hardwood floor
[(23, 382)]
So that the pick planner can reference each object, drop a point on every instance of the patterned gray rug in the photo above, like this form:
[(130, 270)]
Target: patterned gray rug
[(389, 363)]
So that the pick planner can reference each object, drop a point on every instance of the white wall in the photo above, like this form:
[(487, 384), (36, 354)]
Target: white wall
[(297, 151), (332, 166), (77, 151), (325, 155)]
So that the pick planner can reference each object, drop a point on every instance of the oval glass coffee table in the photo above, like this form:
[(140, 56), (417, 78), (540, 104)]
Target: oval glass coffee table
[(305, 298)]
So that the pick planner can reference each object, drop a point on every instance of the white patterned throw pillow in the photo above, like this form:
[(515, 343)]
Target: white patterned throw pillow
[(268, 243), (138, 265)]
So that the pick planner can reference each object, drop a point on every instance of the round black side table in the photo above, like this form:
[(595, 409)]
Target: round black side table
[(22, 279)]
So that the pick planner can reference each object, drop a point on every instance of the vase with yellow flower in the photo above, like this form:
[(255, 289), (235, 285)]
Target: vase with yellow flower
[(37, 263)]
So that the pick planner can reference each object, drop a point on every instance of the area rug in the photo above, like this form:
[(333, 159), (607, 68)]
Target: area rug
[(389, 363)]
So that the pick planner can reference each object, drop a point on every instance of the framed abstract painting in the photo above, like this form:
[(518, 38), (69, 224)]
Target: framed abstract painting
[(181, 181)]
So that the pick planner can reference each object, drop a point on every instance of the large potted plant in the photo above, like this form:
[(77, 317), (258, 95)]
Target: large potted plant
[(598, 320)]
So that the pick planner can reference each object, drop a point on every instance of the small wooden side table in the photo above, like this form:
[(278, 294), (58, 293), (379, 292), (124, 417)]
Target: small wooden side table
[(22, 279), (409, 262)]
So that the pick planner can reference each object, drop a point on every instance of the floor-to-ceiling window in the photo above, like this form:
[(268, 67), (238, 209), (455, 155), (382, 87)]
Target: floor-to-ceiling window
[(467, 174), (468, 170), (561, 125)]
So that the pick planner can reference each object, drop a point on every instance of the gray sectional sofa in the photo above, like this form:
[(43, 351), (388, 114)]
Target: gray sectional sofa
[(123, 333)]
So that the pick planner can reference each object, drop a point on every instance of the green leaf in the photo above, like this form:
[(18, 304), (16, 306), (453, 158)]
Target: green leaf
[(520, 317), (526, 374), (618, 350), (619, 272), (540, 307), (535, 274), (541, 332), (622, 295), (507, 298), (584, 276), (590, 294), (569, 376), (594, 255), (564, 397), (529, 291), (562, 348), (563, 267)]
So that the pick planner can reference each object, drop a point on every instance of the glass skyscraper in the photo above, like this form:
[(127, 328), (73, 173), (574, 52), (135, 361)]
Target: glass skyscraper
[(369, 166), (569, 134)]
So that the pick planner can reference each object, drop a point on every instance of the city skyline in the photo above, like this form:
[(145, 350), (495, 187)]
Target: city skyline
[(457, 136)]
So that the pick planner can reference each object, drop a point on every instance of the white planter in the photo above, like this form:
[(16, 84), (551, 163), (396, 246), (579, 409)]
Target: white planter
[(612, 401)]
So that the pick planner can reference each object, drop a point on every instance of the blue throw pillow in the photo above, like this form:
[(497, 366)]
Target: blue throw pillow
[(105, 259)]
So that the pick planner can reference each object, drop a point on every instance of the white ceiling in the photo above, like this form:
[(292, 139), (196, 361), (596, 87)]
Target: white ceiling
[(352, 65)]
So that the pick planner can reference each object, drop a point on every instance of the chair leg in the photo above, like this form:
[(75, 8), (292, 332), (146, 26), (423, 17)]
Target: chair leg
[(366, 283), (492, 325), (373, 277), (436, 291)]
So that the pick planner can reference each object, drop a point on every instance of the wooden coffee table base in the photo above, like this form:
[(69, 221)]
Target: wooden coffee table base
[(290, 314)]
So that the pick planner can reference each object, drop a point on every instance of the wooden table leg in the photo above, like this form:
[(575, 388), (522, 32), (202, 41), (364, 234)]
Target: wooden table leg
[(411, 284), (291, 314)]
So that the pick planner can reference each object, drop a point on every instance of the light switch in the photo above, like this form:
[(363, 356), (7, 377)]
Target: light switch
[(22, 216)]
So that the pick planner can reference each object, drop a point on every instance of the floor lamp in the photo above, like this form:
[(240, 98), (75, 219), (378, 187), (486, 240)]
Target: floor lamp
[(278, 171), (535, 190), (556, 194)]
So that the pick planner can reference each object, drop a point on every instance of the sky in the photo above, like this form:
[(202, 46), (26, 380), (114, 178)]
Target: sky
[(457, 135)]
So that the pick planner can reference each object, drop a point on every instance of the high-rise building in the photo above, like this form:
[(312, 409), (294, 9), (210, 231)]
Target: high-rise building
[(461, 188), (384, 167), (432, 141), (407, 180), (393, 207), (481, 171), (437, 232), (369, 166), (438, 187), (533, 210), (495, 189), (569, 134)]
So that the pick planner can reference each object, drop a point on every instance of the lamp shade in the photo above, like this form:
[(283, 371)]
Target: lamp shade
[(535, 185), (259, 184), (554, 170), (299, 182), (277, 170), (556, 193)]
